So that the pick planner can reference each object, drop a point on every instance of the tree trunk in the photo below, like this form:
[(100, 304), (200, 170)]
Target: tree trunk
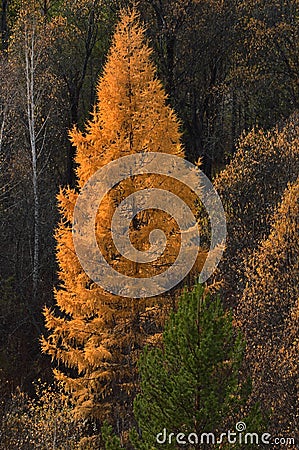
[(30, 67), (70, 169)]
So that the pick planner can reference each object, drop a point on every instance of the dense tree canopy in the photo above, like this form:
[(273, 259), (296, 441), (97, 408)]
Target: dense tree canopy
[(268, 312), (251, 187)]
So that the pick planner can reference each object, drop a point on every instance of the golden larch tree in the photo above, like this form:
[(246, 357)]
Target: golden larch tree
[(96, 336), (268, 314), (250, 193)]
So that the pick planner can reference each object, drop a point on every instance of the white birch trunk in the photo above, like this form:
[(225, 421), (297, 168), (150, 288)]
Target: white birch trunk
[(30, 88)]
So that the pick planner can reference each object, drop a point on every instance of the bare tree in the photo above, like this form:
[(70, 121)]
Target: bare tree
[(31, 58)]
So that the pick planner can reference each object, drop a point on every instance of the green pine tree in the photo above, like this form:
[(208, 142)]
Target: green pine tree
[(193, 383)]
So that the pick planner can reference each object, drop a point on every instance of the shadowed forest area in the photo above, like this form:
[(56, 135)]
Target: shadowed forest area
[(83, 83)]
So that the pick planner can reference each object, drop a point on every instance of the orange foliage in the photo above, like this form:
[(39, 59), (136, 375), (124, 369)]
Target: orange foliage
[(268, 314), (250, 188), (97, 337)]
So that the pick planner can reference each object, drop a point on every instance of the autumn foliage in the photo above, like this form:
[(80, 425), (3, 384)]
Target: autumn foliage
[(229, 70), (251, 187), (259, 271), (268, 314), (96, 338)]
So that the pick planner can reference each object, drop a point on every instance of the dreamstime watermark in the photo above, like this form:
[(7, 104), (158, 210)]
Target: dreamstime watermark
[(89, 202), (238, 436)]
